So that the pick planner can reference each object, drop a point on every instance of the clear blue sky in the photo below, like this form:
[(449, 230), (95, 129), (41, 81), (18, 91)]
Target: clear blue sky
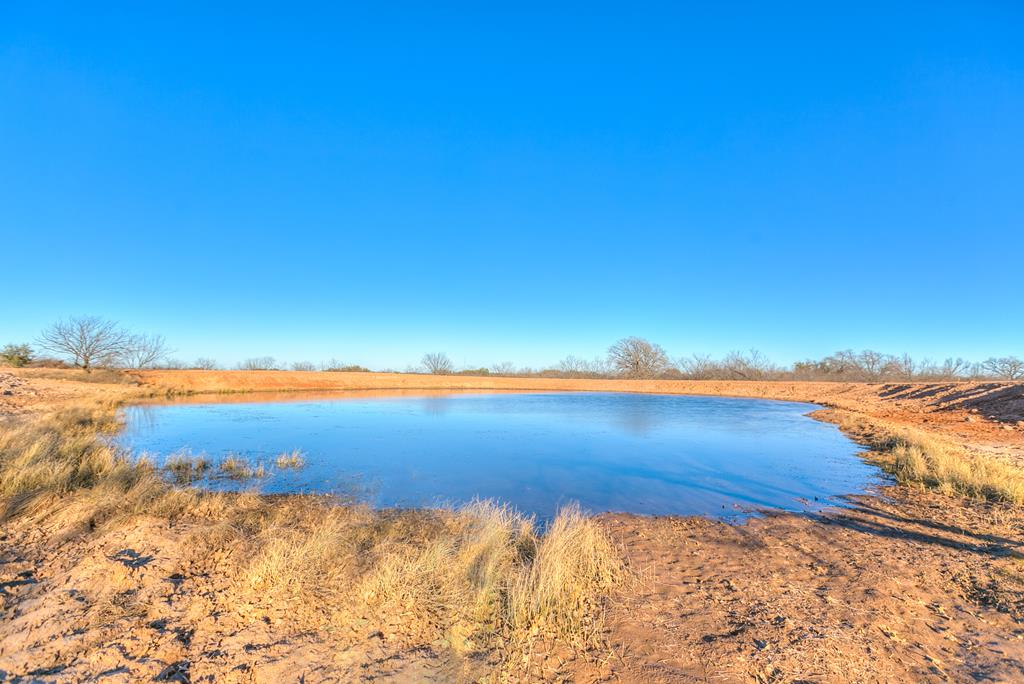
[(516, 184)]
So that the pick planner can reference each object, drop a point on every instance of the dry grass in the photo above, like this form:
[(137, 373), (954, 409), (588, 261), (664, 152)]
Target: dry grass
[(478, 579), (102, 376), (916, 457), (62, 469), (290, 460), (185, 468), (559, 591), (237, 468)]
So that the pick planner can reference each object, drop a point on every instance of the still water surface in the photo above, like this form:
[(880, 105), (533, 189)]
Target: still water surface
[(642, 453)]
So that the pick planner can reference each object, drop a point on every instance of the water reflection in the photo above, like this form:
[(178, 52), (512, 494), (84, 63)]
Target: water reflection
[(436, 406)]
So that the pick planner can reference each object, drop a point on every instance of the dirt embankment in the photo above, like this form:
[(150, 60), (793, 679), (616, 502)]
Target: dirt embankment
[(909, 585), (28, 390)]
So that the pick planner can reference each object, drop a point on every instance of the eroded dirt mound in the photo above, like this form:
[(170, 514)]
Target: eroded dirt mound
[(994, 400)]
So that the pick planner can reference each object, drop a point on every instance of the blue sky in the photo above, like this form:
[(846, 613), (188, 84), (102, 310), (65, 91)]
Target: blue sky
[(516, 183)]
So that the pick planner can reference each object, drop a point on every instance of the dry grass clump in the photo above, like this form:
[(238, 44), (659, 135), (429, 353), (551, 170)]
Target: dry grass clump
[(458, 572), (303, 546), (185, 468), (293, 460), (476, 579), (952, 470), (575, 564), (238, 468), (484, 572), (917, 457)]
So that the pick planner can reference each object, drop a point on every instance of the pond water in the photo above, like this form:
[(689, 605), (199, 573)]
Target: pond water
[(641, 453)]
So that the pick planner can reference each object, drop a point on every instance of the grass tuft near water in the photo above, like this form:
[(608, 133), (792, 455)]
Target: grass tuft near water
[(915, 457), (185, 468), (290, 460)]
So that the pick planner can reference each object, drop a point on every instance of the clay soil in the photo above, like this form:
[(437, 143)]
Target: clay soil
[(902, 585)]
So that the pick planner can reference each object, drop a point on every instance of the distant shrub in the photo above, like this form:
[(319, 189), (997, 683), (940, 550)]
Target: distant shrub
[(474, 371), (16, 355), (347, 369)]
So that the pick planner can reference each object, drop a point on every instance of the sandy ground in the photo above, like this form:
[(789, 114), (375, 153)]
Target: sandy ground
[(903, 586)]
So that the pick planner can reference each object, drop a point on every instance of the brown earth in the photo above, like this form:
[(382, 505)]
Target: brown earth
[(907, 585)]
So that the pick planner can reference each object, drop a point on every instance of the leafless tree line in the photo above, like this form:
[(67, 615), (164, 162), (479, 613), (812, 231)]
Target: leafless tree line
[(638, 358), (89, 342), (872, 366)]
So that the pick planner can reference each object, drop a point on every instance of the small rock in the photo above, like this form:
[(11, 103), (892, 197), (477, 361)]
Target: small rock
[(969, 419)]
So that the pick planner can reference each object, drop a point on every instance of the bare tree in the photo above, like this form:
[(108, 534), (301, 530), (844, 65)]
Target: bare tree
[(143, 351), (437, 363), (843, 363), (635, 357), (954, 368), (1007, 367), (303, 366), (575, 367), (701, 367), (259, 363), (903, 367), (87, 341), (871, 363), (204, 363), (503, 368), (750, 366)]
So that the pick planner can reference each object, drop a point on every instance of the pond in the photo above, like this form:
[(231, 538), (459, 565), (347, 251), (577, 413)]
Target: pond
[(639, 453)]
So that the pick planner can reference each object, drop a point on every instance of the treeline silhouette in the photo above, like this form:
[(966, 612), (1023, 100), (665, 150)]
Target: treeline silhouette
[(91, 342)]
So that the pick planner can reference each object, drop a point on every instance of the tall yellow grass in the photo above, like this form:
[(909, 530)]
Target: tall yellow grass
[(916, 457)]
